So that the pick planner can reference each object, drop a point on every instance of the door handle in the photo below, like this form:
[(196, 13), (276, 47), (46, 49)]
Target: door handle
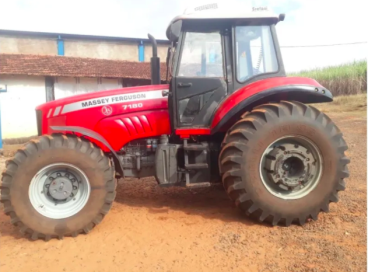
[(165, 93), (184, 85)]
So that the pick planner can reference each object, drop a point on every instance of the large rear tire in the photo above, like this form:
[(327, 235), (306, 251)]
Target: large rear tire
[(258, 151), (57, 186)]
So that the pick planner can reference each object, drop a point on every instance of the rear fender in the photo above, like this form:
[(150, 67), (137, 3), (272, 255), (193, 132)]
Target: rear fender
[(233, 107), (101, 141)]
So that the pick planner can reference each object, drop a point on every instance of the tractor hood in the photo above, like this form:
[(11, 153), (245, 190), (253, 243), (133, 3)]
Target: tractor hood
[(99, 98), (87, 110)]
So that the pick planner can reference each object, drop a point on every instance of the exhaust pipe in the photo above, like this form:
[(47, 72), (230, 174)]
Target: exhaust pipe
[(155, 62)]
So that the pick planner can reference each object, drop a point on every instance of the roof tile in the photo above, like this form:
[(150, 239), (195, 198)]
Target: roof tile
[(42, 65)]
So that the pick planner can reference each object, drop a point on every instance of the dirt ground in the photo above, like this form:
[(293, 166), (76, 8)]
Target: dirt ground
[(172, 229)]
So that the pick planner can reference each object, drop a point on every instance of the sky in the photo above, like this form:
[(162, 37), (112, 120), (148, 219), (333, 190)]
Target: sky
[(307, 22)]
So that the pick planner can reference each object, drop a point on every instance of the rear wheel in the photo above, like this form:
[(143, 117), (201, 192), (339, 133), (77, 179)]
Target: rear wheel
[(57, 186), (284, 163)]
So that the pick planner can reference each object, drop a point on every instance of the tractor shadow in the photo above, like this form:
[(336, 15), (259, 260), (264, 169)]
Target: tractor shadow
[(211, 203)]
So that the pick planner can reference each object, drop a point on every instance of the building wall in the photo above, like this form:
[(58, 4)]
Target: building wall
[(161, 52), (101, 50), (17, 105), (68, 86), (116, 50), (27, 45)]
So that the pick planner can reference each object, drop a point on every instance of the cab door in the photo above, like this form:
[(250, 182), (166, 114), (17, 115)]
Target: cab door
[(198, 84)]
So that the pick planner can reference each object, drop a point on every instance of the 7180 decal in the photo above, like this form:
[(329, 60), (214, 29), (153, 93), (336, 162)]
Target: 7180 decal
[(133, 106)]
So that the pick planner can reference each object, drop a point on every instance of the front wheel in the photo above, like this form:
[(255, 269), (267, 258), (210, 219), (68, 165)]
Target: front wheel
[(284, 163), (57, 186)]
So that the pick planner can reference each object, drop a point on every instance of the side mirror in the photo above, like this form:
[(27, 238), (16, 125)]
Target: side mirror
[(174, 31)]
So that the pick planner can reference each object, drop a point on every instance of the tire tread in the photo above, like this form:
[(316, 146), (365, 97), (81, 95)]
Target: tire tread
[(237, 137), (58, 141)]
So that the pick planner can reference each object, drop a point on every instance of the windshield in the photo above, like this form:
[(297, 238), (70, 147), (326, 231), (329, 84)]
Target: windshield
[(255, 51)]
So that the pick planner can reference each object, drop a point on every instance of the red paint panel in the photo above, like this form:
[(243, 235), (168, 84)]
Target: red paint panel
[(89, 117), (128, 123), (122, 125), (193, 131), (145, 123), (91, 95), (55, 121), (137, 124), (257, 87), (115, 129)]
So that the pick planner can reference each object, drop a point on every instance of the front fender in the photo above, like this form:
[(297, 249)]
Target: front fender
[(304, 90), (95, 136)]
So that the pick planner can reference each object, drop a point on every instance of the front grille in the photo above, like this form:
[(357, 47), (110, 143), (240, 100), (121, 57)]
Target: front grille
[(39, 122)]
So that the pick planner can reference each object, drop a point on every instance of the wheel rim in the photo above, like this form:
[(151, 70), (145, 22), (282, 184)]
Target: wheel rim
[(59, 190), (291, 167)]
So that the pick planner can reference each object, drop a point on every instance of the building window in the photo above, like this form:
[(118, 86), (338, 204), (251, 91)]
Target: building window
[(141, 52), (60, 46)]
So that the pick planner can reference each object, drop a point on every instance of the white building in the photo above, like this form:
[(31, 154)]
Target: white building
[(31, 80)]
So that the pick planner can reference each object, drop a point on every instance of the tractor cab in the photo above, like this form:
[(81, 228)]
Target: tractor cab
[(214, 53)]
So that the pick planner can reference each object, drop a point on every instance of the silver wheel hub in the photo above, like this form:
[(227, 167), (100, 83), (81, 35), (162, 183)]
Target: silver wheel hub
[(61, 185), (59, 190), (291, 167)]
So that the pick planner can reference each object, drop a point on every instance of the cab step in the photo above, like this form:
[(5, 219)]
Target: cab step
[(199, 166), (198, 185), (196, 147), (196, 166)]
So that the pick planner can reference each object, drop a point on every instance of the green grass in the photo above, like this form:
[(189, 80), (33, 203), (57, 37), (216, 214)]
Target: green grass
[(345, 79)]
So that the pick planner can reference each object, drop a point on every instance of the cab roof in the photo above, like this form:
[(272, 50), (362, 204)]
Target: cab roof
[(217, 12)]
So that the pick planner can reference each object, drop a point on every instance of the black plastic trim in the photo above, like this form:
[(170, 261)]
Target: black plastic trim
[(301, 93), (97, 137)]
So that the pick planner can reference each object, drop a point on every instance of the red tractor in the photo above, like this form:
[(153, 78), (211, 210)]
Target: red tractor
[(229, 114)]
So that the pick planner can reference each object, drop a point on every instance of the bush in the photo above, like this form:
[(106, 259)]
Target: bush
[(345, 79)]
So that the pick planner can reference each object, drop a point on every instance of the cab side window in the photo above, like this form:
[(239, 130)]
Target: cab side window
[(255, 51), (201, 55)]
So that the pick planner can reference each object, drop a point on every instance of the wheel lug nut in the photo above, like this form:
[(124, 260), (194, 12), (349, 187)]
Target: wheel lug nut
[(75, 187)]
